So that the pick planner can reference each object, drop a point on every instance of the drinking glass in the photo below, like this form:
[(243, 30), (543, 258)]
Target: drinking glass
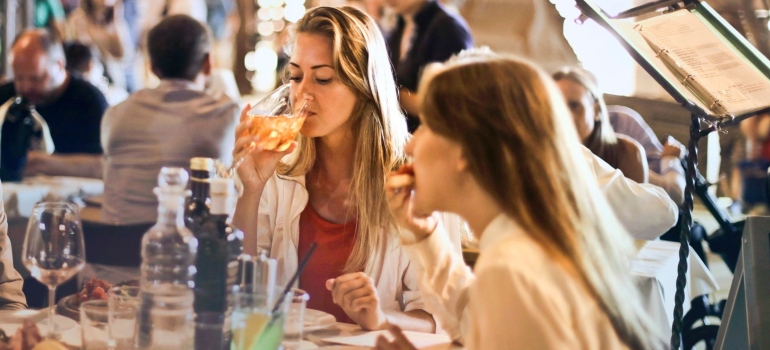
[(254, 324), (53, 249), (295, 319), (276, 121), (123, 309), (94, 321)]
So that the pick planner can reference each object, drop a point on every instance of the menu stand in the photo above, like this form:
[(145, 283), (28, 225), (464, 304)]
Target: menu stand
[(699, 115)]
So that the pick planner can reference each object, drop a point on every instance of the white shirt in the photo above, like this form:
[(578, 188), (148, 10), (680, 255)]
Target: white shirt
[(645, 210), (282, 202), (517, 298)]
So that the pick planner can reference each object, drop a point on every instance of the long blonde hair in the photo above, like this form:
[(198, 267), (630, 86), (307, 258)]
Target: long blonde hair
[(379, 127), (602, 141), (522, 147)]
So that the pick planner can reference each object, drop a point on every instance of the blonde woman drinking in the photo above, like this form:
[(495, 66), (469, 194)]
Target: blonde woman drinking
[(332, 191)]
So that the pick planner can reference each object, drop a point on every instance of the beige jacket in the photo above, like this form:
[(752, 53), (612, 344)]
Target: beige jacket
[(11, 296)]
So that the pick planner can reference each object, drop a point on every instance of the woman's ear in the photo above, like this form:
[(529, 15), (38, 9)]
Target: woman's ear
[(597, 111), (462, 162)]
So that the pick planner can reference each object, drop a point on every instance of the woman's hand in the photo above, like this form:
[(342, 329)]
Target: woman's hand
[(673, 148), (355, 293), (258, 165), (398, 189), (399, 341)]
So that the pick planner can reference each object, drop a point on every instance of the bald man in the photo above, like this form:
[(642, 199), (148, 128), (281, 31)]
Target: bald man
[(71, 107)]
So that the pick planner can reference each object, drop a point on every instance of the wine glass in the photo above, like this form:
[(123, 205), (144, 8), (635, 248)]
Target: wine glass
[(276, 121), (53, 249)]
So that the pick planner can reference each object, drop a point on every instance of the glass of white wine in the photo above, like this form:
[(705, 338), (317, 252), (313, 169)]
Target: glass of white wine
[(54, 250), (276, 120)]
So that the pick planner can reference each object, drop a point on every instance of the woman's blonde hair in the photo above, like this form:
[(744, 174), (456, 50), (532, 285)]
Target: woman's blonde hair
[(379, 127), (521, 145), (602, 141)]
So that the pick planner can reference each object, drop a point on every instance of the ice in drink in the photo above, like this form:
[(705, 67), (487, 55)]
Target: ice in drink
[(275, 133)]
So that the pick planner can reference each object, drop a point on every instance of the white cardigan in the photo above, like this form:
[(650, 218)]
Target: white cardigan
[(283, 200)]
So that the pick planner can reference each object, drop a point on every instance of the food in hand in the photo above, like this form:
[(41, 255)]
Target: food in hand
[(402, 178), (94, 289)]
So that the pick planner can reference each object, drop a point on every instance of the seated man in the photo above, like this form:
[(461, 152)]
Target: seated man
[(70, 106), (11, 295), (164, 126)]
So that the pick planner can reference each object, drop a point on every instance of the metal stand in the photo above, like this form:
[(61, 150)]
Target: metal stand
[(697, 114), (684, 238)]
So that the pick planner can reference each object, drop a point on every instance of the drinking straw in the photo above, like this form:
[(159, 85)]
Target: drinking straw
[(293, 279)]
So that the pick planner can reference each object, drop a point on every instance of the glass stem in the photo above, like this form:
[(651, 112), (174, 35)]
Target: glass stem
[(51, 306)]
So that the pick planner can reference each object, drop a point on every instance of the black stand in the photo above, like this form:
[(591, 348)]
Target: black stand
[(697, 116)]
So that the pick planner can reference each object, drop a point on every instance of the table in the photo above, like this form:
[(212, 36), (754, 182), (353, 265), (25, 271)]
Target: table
[(655, 269), (313, 340)]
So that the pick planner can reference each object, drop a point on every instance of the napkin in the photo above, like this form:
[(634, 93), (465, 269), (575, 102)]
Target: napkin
[(369, 339)]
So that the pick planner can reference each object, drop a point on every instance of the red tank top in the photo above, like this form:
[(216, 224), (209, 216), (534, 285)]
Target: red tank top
[(334, 245)]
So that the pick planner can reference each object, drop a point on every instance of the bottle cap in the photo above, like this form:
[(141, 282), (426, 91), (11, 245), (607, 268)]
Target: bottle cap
[(172, 177), (220, 185), (200, 163)]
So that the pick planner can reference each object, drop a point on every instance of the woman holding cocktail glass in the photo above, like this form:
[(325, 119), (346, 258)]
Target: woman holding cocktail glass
[(331, 189), (497, 146)]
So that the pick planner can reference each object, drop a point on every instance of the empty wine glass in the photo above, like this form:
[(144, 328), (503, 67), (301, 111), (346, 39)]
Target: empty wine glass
[(276, 121), (53, 249)]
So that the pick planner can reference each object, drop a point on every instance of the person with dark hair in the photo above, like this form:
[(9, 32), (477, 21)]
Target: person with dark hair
[(426, 32), (178, 48), (85, 63), (79, 56), (166, 125), (71, 107)]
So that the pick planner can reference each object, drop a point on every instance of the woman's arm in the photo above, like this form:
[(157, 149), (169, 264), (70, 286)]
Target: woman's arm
[(633, 160)]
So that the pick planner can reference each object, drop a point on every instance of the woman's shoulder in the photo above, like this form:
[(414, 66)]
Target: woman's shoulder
[(628, 144), (632, 158)]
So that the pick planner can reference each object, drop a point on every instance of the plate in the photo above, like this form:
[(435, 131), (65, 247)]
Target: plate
[(68, 308), (12, 319), (315, 320)]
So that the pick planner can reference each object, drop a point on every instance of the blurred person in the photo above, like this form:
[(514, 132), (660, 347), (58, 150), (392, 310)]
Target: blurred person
[(71, 107), (166, 125), (85, 63), (50, 14), (496, 146), (425, 32), (153, 11), (754, 169), (664, 160), (11, 294), (591, 120), (101, 23), (331, 189)]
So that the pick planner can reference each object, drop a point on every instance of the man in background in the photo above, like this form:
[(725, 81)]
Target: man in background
[(426, 32), (71, 107), (166, 125)]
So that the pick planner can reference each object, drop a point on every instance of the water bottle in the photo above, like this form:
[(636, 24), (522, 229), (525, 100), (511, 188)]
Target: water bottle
[(165, 319)]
